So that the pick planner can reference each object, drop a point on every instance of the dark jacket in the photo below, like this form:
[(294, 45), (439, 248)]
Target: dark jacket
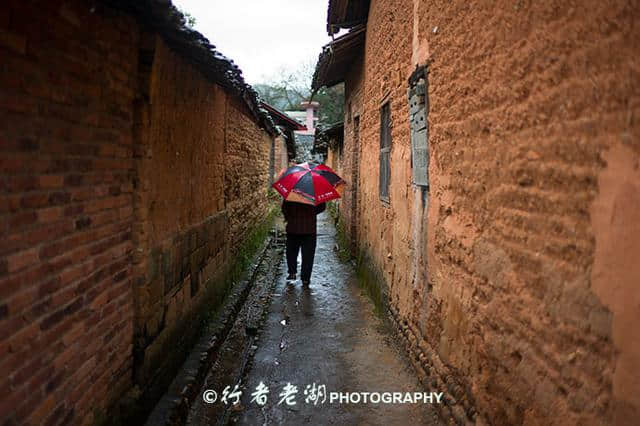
[(301, 218)]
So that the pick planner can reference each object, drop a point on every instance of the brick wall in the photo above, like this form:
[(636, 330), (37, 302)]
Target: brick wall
[(512, 275), (66, 204), (113, 212)]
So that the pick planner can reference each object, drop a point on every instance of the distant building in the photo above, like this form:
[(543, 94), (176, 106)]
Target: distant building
[(283, 151), (305, 138)]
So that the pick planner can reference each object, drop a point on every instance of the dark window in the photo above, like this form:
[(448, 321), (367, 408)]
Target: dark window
[(418, 110), (385, 151)]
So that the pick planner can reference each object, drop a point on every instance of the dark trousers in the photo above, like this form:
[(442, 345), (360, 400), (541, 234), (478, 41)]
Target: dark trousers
[(308, 244)]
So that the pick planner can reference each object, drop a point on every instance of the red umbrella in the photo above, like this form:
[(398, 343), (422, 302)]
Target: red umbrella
[(309, 183)]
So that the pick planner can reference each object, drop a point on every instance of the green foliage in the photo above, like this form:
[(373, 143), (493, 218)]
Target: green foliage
[(331, 101), (274, 196), (287, 88), (279, 95), (344, 253), (368, 278), (251, 245), (371, 281), (189, 19)]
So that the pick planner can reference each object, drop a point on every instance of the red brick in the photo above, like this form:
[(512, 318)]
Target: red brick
[(21, 340), (50, 214), (38, 309), (13, 400), (74, 272), (60, 314), (64, 357), (63, 296), (48, 232), (12, 363), (26, 406), (51, 181), (21, 183), (35, 200), (22, 299), (21, 375), (73, 335), (42, 409), (22, 259), (21, 219)]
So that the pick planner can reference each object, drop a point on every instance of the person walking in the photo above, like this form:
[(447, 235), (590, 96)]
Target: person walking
[(301, 234)]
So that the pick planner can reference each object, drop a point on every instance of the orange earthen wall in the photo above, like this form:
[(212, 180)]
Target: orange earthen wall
[(201, 155), (246, 173), (334, 160), (179, 205), (350, 162), (514, 276)]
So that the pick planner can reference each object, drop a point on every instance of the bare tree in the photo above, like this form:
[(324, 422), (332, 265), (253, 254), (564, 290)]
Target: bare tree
[(288, 87)]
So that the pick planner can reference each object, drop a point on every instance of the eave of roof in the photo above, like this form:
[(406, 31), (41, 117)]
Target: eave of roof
[(163, 18), (336, 129), (281, 118), (336, 58), (287, 125), (332, 136), (346, 14)]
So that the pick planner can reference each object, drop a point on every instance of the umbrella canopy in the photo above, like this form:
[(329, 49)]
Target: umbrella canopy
[(309, 183)]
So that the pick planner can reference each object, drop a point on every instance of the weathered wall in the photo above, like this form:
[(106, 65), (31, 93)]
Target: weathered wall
[(512, 277), (66, 211), (334, 160), (203, 170), (180, 206), (246, 165), (281, 158), (350, 163), (113, 219)]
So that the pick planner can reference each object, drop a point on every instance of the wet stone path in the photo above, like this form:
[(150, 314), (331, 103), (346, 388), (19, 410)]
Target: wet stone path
[(325, 334)]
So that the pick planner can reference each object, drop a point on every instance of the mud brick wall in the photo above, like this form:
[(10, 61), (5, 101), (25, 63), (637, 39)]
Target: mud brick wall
[(200, 152), (246, 173), (281, 158), (334, 159), (345, 160), (513, 277), (179, 205), (350, 162), (66, 308)]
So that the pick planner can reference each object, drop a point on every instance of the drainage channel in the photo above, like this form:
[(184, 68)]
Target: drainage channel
[(239, 346), (176, 407)]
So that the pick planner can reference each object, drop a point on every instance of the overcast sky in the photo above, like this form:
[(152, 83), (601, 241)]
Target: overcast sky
[(261, 36)]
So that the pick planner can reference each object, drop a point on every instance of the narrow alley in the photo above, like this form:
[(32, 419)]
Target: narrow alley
[(325, 334), (467, 175)]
